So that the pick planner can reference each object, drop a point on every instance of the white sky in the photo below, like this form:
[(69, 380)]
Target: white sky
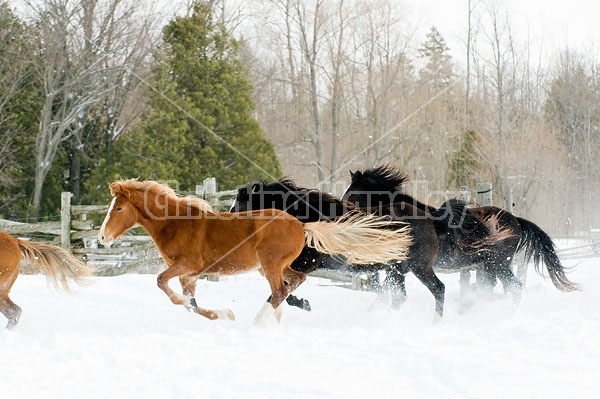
[(549, 24)]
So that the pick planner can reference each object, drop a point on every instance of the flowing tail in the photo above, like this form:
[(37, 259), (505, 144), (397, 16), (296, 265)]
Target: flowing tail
[(361, 238), (537, 244), (56, 263)]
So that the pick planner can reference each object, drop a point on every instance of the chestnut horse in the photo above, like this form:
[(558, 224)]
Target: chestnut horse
[(57, 264), (194, 240)]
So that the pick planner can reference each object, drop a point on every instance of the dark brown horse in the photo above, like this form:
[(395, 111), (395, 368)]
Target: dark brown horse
[(312, 205), (57, 264), (194, 240), (384, 185)]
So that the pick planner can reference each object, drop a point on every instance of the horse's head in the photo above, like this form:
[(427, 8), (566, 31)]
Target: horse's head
[(121, 215), (375, 186), (359, 190), (244, 199), (262, 195)]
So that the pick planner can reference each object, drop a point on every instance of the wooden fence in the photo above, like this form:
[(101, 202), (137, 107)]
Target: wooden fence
[(136, 253), (78, 230)]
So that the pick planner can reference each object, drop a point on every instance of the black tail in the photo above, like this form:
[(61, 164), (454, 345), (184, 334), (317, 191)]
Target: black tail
[(537, 244)]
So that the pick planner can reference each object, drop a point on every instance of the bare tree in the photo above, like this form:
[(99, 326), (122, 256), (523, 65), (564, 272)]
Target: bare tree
[(387, 80), (87, 54), (495, 58), (573, 112)]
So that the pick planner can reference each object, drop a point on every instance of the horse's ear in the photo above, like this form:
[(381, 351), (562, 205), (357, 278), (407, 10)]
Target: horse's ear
[(118, 188), (351, 173), (113, 187), (255, 187)]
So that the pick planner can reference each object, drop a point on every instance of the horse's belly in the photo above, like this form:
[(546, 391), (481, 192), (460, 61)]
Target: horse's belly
[(230, 268)]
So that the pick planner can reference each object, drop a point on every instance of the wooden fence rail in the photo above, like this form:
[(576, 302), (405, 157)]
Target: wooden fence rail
[(136, 253), (79, 226)]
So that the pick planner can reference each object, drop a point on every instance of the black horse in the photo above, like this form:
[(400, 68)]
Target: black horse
[(384, 185), (312, 205)]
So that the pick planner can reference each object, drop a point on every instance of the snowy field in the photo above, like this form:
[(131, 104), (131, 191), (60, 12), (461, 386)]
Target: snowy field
[(122, 338)]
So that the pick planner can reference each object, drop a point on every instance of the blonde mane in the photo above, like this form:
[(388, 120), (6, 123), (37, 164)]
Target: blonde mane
[(151, 186)]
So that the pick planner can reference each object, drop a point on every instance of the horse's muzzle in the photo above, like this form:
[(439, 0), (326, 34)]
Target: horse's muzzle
[(104, 240)]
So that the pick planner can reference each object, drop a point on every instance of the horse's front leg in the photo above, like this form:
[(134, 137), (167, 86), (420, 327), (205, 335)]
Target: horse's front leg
[(188, 287), (188, 301)]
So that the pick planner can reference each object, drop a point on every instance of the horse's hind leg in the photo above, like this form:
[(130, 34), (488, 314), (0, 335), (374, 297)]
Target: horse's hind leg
[(292, 279), (435, 286), (278, 294), (279, 290), (509, 281), (396, 280), (8, 308), (301, 303), (11, 310)]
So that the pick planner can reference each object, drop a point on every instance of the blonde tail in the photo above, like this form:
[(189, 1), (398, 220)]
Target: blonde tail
[(56, 263), (361, 238)]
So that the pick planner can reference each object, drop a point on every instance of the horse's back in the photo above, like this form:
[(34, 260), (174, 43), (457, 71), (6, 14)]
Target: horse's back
[(251, 238), (10, 260), (9, 250)]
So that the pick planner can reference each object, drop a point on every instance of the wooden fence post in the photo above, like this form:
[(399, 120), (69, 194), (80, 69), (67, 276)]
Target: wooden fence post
[(463, 194), (483, 198), (519, 265), (484, 194), (65, 220), (210, 189)]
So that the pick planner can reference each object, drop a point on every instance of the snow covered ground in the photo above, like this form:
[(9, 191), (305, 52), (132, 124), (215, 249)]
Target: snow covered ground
[(122, 338)]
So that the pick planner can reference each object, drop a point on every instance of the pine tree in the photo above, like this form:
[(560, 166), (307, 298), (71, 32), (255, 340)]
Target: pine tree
[(437, 72), (19, 107), (200, 122), (464, 163)]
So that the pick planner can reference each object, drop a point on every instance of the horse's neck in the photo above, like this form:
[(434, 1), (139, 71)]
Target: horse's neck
[(395, 197), (301, 206), (311, 207), (335, 209), (413, 201), (154, 220)]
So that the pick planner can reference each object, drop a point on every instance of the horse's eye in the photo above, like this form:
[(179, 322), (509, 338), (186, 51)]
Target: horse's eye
[(119, 209)]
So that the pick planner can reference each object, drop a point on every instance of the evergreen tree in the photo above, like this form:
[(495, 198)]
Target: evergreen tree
[(19, 107), (200, 123), (437, 72), (464, 163)]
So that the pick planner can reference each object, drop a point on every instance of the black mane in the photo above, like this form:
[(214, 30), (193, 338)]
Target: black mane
[(385, 177), (304, 203), (314, 196), (382, 185)]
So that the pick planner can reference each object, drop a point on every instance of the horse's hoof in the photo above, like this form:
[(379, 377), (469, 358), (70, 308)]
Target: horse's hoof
[(193, 302), (13, 320), (225, 314), (306, 305), (11, 324), (192, 305)]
